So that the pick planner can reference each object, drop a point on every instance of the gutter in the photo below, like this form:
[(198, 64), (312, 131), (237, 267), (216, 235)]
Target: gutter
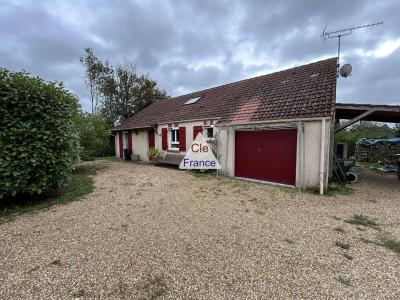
[(228, 124), (166, 123), (130, 128), (273, 121)]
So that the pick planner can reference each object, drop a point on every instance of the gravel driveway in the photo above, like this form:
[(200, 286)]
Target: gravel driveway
[(150, 232)]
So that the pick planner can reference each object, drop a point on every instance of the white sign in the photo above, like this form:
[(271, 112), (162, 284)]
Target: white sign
[(199, 156)]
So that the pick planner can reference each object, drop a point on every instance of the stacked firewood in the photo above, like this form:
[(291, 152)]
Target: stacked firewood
[(384, 152)]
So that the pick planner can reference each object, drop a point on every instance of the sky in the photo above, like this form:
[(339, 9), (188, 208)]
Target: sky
[(191, 45)]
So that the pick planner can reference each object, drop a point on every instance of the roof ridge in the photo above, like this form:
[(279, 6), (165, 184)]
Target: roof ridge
[(252, 78)]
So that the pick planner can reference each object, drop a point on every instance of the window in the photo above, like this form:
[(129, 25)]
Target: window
[(174, 138), (192, 100), (209, 132)]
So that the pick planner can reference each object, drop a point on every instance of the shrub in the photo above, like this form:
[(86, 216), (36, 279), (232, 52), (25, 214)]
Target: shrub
[(38, 139), (94, 138), (153, 153)]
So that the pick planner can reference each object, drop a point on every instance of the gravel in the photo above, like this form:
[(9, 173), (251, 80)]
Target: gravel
[(150, 232)]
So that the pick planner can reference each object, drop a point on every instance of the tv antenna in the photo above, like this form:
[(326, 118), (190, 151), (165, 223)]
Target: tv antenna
[(343, 32)]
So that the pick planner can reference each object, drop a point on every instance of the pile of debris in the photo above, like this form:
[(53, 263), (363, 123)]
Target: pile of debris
[(378, 150)]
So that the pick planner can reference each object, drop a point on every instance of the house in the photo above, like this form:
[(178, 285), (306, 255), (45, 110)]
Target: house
[(275, 128)]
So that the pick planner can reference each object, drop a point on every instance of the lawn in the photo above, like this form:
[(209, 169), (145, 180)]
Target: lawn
[(81, 184)]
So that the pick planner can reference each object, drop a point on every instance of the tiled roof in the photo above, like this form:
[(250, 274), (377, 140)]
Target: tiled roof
[(307, 91)]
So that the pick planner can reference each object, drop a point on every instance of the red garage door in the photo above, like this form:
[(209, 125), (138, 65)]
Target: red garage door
[(268, 155)]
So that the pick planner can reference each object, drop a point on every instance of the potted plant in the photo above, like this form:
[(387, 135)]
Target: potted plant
[(153, 154)]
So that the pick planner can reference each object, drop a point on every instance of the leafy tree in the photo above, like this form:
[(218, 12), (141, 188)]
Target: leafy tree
[(122, 92), (94, 72), (364, 129), (94, 138), (38, 140)]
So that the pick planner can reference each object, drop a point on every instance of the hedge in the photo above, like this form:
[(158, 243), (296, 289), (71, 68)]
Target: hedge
[(38, 140)]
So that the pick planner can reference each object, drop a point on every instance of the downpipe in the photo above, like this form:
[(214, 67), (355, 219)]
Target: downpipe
[(226, 151), (321, 162)]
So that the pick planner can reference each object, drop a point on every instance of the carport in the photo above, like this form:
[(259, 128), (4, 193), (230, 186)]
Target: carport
[(366, 112)]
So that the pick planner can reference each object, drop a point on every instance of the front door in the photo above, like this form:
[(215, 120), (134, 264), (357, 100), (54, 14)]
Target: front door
[(152, 138)]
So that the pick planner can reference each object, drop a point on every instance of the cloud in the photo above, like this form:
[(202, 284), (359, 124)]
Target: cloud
[(191, 45)]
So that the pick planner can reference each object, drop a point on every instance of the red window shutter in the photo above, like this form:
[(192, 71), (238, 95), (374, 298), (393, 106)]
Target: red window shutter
[(121, 151), (130, 141), (151, 136), (182, 138), (196, 130), (164, 138)]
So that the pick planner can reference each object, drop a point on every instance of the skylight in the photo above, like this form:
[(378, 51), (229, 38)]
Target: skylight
[(192, 100)]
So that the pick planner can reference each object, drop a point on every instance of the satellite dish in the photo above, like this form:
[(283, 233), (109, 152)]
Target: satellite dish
[(345, 70)]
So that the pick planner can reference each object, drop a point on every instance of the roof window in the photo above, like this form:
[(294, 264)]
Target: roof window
[(192, 100)]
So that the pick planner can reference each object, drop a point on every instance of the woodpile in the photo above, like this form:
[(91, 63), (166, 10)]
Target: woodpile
[(383, 151)]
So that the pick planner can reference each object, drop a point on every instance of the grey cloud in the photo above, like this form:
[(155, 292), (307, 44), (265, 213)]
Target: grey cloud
[(374, 80), (191, 45)]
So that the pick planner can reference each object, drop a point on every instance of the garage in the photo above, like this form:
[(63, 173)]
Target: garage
[(268, 155)]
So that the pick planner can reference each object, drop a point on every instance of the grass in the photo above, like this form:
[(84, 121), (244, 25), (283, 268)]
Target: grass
[(343, 245), (81, 184), (202, 173), (79, 293), (371, 166), (335, 189), (343, 280), (363, 220), (366, 241), (340, 229), (109, 158), (390, 244), (385, 241), (33, 269), (287, 189), (349, 257)]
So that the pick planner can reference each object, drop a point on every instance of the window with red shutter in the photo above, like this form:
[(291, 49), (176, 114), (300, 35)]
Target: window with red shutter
[(182, 138), (196, 131), (164, 138)]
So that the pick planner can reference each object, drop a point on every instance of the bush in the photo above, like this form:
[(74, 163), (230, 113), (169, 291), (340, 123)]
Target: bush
[(153, 153), (38, 140), (94, 137)]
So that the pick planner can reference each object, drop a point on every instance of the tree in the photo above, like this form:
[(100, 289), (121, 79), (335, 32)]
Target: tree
[(364, 129), (94, 72), (38, 138), (94, 138), (122, 91)]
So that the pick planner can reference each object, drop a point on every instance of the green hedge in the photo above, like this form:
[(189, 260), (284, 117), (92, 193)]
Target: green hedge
[(38, 139)]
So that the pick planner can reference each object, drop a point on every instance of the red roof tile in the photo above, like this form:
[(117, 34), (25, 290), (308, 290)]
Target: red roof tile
[(303, 92)]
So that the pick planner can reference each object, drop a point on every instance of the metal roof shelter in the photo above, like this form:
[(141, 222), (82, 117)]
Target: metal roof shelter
[(367, 112)]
